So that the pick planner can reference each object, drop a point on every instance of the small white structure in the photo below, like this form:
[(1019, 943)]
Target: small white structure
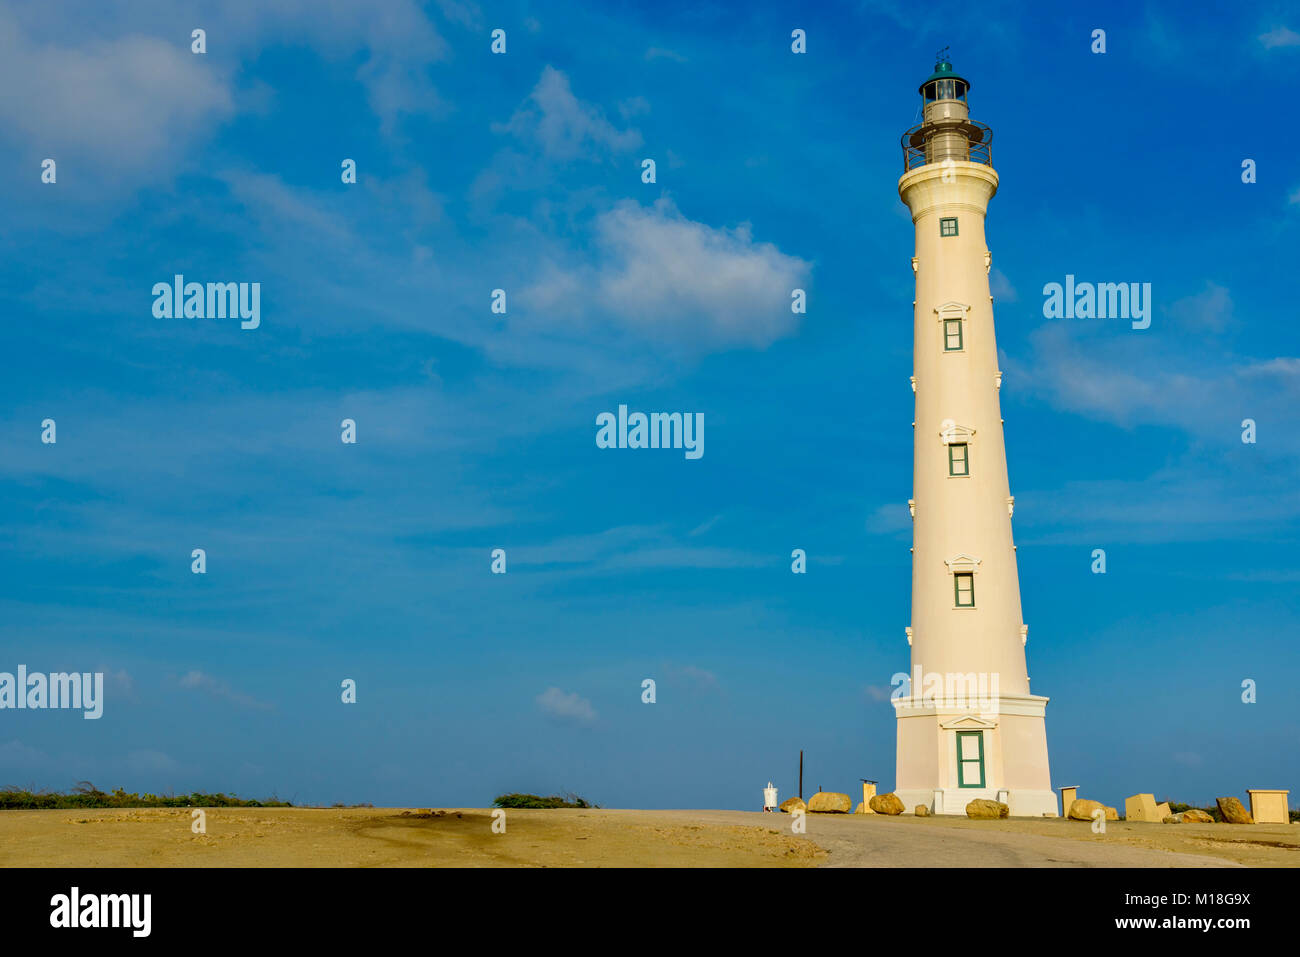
[(769, 797)]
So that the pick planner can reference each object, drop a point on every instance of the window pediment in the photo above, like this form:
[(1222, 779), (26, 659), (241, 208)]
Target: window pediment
[(952, 309), (962, 563), (951, 432), (968, 722)]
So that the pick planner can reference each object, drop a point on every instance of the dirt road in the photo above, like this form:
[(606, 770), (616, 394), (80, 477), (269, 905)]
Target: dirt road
[(383, 837)]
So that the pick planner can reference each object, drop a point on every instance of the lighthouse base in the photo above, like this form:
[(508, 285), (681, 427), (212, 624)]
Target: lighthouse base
[(950, 754), (954, 800)]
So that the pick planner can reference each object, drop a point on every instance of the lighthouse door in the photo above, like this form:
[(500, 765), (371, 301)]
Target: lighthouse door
[(970, 759)]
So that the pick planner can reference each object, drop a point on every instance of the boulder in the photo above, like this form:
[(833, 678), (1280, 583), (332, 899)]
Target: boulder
[(1233, 812), (793, 804), (887, 804), (984, 810), (862, 808), (1081, 809), (1194, 815), (1173, 819), (830, 802), (1112, 814), (922, 811)]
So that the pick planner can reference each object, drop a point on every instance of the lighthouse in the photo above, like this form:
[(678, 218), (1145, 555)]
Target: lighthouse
[(968, 727)]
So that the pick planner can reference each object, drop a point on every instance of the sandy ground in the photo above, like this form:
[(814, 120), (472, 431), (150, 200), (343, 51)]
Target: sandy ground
[(384, 837)]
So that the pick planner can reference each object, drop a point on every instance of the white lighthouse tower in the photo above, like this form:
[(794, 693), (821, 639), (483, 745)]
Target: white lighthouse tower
[(969, 727)]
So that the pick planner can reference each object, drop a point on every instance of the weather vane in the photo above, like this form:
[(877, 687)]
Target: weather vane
[(941, 56)]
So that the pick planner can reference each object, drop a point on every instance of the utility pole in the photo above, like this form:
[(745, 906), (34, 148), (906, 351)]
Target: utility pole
[(801, 774)]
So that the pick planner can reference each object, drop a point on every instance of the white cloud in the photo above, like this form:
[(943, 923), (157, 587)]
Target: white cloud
[(670, 277), (564, 126), (1001, 288), (398, 43), (567, 707), (217, 688), (1281, 366), (119, 105), (1130, 380), (1213, 485), (1209, 309), (1279, 37), (466, 14), (119, 86), (889, 518), (660, 53), (633, 546), (702, 680)]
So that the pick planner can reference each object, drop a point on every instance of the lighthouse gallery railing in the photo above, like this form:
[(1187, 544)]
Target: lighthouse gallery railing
[(917, 152)]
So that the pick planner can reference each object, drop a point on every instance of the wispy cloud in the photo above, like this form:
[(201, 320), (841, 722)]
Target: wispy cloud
[(564, 126), (661, 53), (697, 679), (670, 277), (107, 107), (215, 687), (1208, 310), (570, 707), (1001, 288), (1279, 36)]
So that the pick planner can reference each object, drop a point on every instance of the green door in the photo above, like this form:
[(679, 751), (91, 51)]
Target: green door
[(970, 759)]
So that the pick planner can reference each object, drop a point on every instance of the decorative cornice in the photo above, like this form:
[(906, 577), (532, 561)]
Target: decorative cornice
[(952, 309), (950, 432), (962, 563), (1028, 705)]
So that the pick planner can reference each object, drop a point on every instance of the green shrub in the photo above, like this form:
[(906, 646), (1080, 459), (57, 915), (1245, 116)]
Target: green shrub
[(533, 801), (86, 795)]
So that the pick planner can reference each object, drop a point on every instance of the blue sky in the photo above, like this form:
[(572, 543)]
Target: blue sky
[(476, 430)]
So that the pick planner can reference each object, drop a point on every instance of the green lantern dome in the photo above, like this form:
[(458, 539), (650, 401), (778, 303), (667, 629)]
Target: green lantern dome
[(943, 71)]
